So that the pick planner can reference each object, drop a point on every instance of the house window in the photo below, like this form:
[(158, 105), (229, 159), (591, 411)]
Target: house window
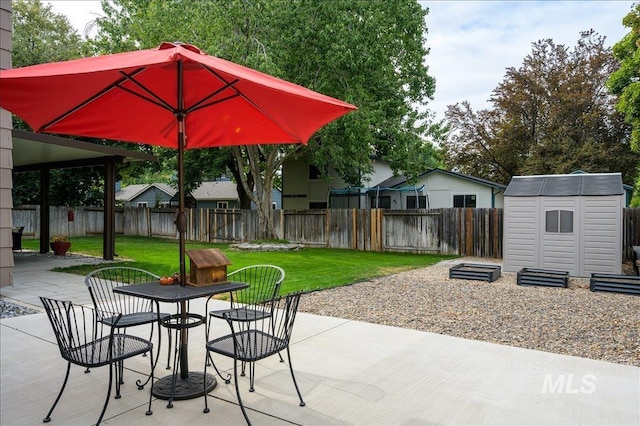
[(314, 172), (223, 205), (464, 201), (559, 221), (164, 204), (142, 204), (382, 202), (318, 205), (274, 206), (411, 202)]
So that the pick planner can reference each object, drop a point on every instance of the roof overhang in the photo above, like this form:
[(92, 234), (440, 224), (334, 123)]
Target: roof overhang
[(33, 151)]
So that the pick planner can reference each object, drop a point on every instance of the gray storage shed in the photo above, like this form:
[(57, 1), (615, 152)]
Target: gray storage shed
[(564, 222)]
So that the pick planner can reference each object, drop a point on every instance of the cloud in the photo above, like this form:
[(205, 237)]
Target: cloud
[(473, 42)]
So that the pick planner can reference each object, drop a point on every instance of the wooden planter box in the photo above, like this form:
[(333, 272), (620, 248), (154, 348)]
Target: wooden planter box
[(543, 277), (475, 271), (207, 267), (626, 284)]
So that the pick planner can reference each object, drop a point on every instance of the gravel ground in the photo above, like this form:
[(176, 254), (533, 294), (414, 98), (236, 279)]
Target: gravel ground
[(571, 321), (10, 309)]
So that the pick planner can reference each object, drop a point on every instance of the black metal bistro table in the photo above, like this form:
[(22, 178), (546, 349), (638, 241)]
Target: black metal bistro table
[(188, 384)]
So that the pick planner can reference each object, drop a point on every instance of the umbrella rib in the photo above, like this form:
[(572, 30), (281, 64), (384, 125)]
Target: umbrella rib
[(87, 102), (217, 101), (160, 102), (198, 105)]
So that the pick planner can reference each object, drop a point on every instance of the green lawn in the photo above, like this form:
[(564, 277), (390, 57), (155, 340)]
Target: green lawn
[(309, 269)]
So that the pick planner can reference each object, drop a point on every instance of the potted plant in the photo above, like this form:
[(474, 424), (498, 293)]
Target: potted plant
[(60, 245)]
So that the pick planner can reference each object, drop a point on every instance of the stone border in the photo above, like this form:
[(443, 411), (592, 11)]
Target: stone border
[(266, 247)]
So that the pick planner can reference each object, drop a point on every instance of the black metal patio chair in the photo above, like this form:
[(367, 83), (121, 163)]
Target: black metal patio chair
[(85, 341), (253, 340), (253, 302), (135, 311)]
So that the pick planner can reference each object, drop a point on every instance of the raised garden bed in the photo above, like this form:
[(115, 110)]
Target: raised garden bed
[(626, 284), (475, 271), (543, 277)]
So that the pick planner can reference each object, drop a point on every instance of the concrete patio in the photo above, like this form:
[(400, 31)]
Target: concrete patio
[(349, 373)]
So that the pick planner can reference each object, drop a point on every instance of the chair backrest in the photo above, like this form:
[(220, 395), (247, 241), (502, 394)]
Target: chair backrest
[(77, 331), (259, 339), (264, 284), (101, 283)]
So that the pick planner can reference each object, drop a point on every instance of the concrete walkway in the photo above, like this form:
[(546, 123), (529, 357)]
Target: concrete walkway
[(349, 372)]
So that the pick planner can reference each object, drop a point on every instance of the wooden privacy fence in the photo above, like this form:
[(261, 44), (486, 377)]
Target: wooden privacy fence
[(454, 231)]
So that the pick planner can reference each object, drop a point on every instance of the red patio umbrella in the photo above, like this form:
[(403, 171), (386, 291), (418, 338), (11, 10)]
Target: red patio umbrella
[(173, 96)]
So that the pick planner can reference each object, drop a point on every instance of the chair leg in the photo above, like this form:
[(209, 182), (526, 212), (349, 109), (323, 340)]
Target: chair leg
[(153, 368), (235, 378), (47, 419), (106, 401), (119, 367), (206, 362), (152, 365), (295, 383), (252, 373)]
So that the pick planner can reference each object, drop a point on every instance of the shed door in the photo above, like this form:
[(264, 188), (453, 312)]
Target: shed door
[(560, 229), (601, 247)]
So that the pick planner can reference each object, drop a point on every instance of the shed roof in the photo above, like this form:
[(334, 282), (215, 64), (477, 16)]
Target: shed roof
[(596, 184)]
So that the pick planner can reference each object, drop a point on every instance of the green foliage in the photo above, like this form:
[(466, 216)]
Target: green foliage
[(551, 115), (367, 53), (372, 55), (625, 81), (41, 35), (308, 270)]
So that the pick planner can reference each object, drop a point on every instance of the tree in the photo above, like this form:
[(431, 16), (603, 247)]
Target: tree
[(367, 53), (625, 81), (551, 115), (40, 35)]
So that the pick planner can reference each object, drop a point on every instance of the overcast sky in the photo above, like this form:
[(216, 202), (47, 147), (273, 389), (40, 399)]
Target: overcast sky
[(473, 42)]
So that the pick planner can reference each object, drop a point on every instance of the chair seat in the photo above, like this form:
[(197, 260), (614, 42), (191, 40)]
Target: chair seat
[(253, 345), (136, 318), (96, 353), (241, 314)]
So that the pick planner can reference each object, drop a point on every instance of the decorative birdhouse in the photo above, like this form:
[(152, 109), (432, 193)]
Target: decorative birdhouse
[(208, 267)]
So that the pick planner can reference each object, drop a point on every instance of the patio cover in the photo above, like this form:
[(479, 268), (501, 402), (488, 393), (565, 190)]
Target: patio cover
[(34, 151)]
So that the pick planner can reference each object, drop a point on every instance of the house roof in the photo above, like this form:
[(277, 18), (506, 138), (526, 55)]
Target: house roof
[(400, 180), (597, 184), (217, 190), (130, 192)]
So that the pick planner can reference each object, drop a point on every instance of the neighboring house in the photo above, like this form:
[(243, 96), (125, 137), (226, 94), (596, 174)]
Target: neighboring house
[(276, 200), (304, 188), (436, 188), (220, 194), (152, 195)]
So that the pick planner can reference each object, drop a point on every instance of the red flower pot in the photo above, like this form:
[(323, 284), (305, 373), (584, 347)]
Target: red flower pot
[(60, 248)]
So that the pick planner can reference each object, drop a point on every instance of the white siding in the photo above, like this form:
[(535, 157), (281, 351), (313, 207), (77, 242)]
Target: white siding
[(520, 248), (601, 245), (441, 188)]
